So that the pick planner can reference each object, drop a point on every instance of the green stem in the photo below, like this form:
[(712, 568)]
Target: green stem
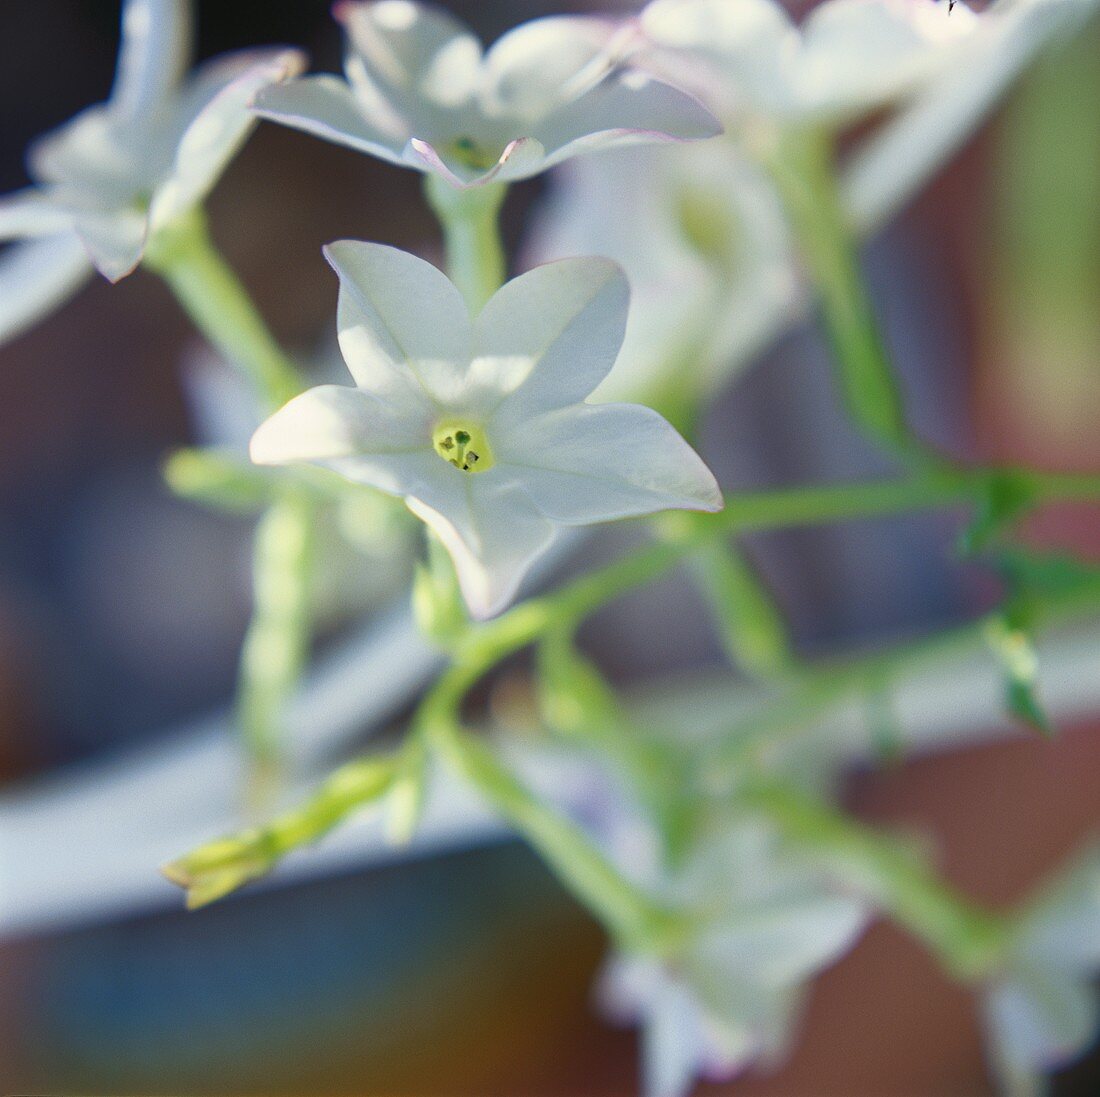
[(969, 940), (837, 502), (480, 648), (483, 646), (471, 234), (219, 867), (632, 917), (185, 257), (750, 626), (802, 166), (825, 686), (276, 645)]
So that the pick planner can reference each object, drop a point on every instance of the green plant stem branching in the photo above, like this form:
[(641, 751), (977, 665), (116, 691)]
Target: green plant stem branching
[(482, 647), (276, 644), (820, 688), (967, 938)]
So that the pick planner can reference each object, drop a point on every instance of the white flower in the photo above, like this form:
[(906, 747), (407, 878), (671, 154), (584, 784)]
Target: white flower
[(479, 423), (711, 276), (1041, 1012), (421, 92), (888, 168), (848, 58), (728, 997), (116, 173)]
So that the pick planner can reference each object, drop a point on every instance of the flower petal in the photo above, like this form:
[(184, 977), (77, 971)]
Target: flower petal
[(404, 329), (716, 25), (327, 107), (36, 277), (895, 162), (415, 56), (675, 1046), (115, 240), (681, 1040), (1062, 930), (711, 274), (547, 61), (92, 156), (599, 462), (154, 54), (629, 107), (548, 337), (29, 212), (1039, 1021), (214, 122), (491, 530), (331, 422), (784, 944), (859, 54)]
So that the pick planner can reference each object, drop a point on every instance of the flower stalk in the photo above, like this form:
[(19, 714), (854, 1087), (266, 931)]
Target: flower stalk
[(470, 220), (276, 645), (633, 919), (802, 166), (969, 940), (749, 623), (185, 257)]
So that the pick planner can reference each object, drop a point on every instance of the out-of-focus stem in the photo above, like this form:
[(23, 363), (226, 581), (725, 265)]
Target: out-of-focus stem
[(276, 644), (633, 918), (750, 625), (802, 166), (185, 257), (968, 940), (277, 641), (471, 233)]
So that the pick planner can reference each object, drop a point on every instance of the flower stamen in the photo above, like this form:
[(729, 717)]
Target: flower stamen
[(463, 445)]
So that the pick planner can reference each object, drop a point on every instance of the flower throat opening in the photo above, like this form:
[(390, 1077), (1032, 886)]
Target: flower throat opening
[(463, 445)]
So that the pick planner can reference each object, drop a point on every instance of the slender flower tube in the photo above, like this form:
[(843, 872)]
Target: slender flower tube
[(480, 423), (786, 91), (107, 181), (422, 92)]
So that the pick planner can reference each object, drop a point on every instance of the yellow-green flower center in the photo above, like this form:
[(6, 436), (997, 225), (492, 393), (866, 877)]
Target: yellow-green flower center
[(468, 152), (463, 445), (709, 225)]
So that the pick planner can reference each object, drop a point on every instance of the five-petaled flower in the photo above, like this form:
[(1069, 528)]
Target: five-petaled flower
[(422, 92), (480, 423), (116, 173)]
